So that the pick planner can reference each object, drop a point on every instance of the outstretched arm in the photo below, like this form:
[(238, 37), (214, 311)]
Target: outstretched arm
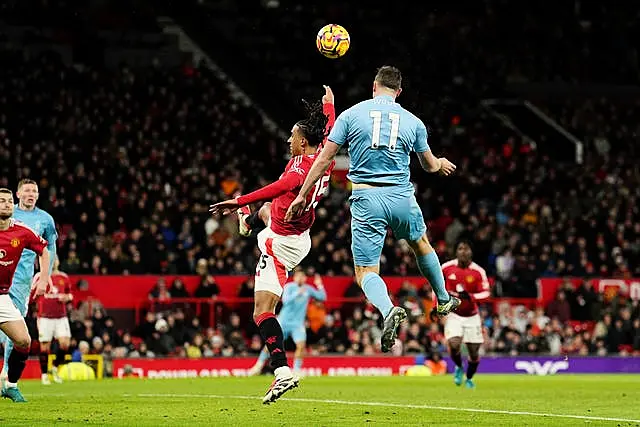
[(276, 189)]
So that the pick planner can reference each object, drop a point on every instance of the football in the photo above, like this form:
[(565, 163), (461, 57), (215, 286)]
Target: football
[(333, 41)]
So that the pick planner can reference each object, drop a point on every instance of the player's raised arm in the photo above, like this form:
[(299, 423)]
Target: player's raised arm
[(329, 108), (318, 292)]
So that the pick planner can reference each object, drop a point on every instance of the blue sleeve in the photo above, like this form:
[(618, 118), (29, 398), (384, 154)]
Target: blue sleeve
[(420, 145), (319, 294), (288, 293), (51, 235), (340, 129)]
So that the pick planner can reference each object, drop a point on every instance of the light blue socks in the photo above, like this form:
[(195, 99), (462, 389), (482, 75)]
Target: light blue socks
[(430, 268), (376, 292)]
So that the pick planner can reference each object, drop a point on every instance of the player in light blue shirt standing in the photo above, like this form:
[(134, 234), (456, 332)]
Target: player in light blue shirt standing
[(295, 299), (43, 225), (381, 137)]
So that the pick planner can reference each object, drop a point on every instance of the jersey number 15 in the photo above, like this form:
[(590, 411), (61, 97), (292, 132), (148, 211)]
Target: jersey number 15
[(394, 118), (319, 191)]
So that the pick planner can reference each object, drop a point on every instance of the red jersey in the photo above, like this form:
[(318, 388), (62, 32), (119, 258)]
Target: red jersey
[(49, 305), (286, 189), (12, 242), (472, 279), (299, 166)]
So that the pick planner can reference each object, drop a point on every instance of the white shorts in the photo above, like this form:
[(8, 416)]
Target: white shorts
[(280, 254), (48, 329), (8, 311), (467, 328)]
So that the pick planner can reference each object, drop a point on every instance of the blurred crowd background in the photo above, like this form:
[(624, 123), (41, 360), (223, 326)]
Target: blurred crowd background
[(131, 136)]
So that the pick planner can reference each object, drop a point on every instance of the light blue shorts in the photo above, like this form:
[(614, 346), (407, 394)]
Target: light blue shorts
[(19, 294), (297, 333), (375, 209)]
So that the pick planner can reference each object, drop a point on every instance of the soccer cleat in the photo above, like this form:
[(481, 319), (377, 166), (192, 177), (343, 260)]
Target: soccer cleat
[(45, 379), (469, 384), (458, 374), (449, 306), (56, 378), (243, 228), (391, 324), (280, 386), (13, 393)]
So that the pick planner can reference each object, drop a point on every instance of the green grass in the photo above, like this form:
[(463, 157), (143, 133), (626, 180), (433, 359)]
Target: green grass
[(190, 402)]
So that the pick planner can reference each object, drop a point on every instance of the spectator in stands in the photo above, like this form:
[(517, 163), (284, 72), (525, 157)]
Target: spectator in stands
[(559, 308), (142, 352), (208, 288), (160, 291), (246, 288), (83, 349), (178, 290), (161, 343), (194, 349)]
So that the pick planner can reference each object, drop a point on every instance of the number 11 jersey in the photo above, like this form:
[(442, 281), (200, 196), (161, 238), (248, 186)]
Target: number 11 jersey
[(381, 136)]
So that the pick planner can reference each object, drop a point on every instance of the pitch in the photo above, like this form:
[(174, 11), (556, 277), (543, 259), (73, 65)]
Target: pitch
[(333, 401)]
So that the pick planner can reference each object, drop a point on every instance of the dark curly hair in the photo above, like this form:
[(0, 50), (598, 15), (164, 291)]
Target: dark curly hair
[(313, 128)]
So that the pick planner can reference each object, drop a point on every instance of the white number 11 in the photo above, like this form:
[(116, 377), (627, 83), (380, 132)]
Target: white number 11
[(377, 125)]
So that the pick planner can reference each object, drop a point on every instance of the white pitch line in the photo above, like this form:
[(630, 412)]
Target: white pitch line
[(398, 405)]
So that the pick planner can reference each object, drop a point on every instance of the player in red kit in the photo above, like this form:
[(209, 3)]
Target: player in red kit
[(285, 244), (53, 321), (14, 238), (468, 281)]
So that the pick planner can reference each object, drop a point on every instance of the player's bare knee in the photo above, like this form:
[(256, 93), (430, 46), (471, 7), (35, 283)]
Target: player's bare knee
[(455, 344), (422, 246), (474, 352), (22, 342), (362, 271), (45, 347), (264, 302), (257, 312), (265, 213)]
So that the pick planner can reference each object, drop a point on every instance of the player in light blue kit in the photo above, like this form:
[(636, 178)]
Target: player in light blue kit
[(295, 299), (42, 223), (381, 136)]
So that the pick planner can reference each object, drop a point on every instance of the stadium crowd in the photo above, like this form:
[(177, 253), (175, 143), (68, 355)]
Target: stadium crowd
[(135, 200)]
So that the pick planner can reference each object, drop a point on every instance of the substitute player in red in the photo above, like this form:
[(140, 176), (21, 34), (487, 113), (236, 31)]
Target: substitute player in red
[(468, 281), (53, 322), (14, 238), (285, 244)]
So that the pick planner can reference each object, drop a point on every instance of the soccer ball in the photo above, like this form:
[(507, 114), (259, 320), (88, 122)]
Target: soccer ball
[(333, 41)]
